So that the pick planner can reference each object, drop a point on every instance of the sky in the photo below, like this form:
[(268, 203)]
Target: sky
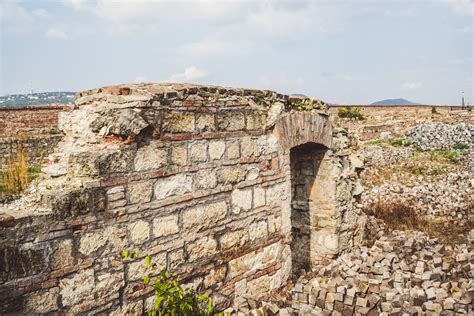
[(340, 51)]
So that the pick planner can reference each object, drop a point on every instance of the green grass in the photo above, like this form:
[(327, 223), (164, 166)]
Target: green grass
[(460, 146), (376, 142), (33, 173), (399, 142)]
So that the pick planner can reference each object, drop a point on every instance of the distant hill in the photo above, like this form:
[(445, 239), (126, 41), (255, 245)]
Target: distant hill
[(393, 102), (61, 97), (299, 95)]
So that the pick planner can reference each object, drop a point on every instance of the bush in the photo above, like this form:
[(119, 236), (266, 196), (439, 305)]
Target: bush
[(460, 146), (376, 142), (398, 142), (434, 111), (351, 113)]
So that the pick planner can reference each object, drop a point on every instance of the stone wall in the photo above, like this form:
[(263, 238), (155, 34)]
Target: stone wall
[(197, 177), (37, 148), (28, 118)]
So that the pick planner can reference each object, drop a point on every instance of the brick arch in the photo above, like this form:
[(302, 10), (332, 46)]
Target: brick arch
[(300, 128)]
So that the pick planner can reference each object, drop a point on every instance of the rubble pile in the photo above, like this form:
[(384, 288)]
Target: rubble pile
[(440, 135), (404, 273)]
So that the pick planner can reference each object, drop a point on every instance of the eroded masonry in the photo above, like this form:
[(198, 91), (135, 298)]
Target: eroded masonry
[(231, 189)]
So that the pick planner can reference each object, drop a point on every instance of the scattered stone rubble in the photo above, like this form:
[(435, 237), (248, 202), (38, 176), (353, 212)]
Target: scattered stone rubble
[(440, 135), (406, 273)]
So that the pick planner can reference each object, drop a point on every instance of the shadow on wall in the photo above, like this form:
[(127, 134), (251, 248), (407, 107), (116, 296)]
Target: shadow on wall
[(305, 163)]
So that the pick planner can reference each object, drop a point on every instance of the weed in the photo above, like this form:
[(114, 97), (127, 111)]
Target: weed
[(351, 113), (16, 178), (460, 146), (399, 142), (376, 142)]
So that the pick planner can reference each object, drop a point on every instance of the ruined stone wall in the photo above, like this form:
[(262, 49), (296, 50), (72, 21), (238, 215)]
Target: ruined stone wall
[(28, 118), (197, 177), (37, 148)]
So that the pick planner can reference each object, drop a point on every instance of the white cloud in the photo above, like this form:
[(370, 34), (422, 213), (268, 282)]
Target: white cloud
[(410, 85), (190, 73), (79, 5), (56, 33), (466, 29), (217, 46), (461, 7), (40, 13)]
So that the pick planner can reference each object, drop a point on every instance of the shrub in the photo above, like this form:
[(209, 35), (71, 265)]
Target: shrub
[(434, 111), (351, 113), (376, 142), (398, 142), (460, 146)]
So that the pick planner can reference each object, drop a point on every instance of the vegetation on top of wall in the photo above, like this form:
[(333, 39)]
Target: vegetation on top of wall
[(306, 105), (351, 112), (399, 142)]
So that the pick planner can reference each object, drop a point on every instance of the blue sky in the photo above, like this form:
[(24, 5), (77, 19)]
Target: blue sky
[(340, 51)]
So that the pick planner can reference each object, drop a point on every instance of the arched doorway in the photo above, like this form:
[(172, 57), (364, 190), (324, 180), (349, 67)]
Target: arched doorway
[(307, 174)]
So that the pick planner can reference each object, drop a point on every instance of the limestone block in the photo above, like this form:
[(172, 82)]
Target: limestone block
[(78, 288), (240, 288), (230, 175), (205, 215), (140, 192), (62, 255), (258, 230), (255, 120), (241, 200), (215, 276), (259, 287), (108, 284), (248, 146), (205, 122), (129, 308), (115, 161), (231, 121), (178, 122), (233, 239), (216, 149), (123, 122), (114, 237), (175, 259), (277, 193), (198, 152), (258, 197), (233, 149), (243, 264), (173, 185), (205, 179), (139, 231), (274, 114), (179, 155), (150, 157), (166, 225), (42, 302), (324, 240), (203, 247)]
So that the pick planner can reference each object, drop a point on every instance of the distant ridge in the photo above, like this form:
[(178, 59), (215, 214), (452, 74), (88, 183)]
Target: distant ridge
[(394, 102), (299, 95), (44, 98)]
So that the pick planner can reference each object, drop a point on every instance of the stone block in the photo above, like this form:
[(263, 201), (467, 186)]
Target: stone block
[(179, 155), (178, 122), (139, 231), (205, 179), (230, 175), (41, 302), (205, 122), (198, 152), (78, 288), (258, 230), (233, 239), (216, 149), (258, 197), (166, 225), (202, 247), (206, 215), (140, 192), (173, 185), (150, 157), (62, 255), (248, 146), (241, 200), (233, 149), (256, 120), (231, 121)]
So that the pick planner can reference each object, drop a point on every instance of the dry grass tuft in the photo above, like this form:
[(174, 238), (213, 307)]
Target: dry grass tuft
[(16, 178), (399, 216)]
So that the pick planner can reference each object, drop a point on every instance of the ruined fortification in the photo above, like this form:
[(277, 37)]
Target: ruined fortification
[(231, 188)]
